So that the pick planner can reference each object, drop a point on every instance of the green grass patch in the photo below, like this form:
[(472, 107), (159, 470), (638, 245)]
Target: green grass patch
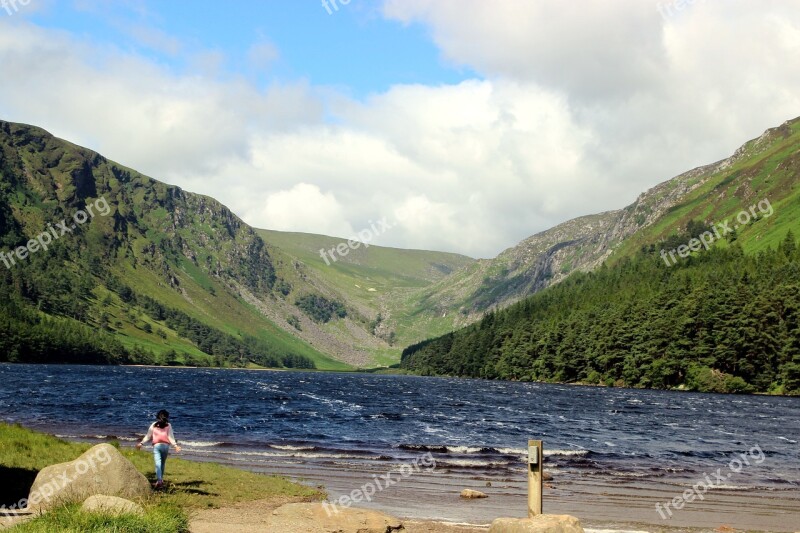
[(159, 518), (190, 485)]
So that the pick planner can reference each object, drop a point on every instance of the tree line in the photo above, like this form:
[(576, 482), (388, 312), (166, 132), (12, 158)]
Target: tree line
[(718, 321)]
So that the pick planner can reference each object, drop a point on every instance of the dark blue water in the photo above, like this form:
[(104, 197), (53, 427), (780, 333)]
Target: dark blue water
[(305, 424), (468, 424)]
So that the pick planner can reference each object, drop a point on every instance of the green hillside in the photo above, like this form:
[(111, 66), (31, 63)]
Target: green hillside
[(722, 321), (372, 282), (764, 170), (718, 319), (142, 272), (361, 269)]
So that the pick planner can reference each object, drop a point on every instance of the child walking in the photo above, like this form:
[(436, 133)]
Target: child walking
[(160, 433)]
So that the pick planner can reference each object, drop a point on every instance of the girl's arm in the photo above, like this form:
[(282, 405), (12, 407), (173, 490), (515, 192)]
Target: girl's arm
[(172, 440), (172, 437), (147, 437)]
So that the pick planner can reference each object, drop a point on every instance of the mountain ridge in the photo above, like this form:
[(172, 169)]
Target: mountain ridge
[(191, 253)]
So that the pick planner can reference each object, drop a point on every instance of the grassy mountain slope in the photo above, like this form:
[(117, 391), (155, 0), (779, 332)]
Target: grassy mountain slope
[(367, 280), (164, 277), (642, 323), (764, 168)]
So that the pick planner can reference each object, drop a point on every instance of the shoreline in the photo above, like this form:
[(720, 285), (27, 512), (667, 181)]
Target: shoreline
[(432, 503), (601, 507), (377, 371), (614, 455)]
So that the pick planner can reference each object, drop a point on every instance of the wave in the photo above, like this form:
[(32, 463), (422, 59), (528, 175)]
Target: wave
[(567, 453), (470, 463), (300, 455), (98, 437), (513, 451), (199, 444), (468, 450), (290, 447)]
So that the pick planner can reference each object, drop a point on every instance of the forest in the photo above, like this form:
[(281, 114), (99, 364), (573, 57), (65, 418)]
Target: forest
[(718, 321)]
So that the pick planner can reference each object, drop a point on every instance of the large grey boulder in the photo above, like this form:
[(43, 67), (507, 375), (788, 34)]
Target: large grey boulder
[(111, 505), (543, 523), (325, 518), (100, 470)]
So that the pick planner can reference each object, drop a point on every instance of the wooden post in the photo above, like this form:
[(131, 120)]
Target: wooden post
[(535, 460)]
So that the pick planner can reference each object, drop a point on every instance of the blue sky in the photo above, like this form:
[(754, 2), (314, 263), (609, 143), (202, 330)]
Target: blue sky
[(469, 125), (353, 48)]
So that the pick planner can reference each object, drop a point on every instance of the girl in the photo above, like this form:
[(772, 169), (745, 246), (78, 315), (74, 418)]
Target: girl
[(160, 433)]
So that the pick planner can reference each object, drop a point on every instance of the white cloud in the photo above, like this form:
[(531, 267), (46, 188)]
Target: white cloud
[(582, 106), (305, 207)]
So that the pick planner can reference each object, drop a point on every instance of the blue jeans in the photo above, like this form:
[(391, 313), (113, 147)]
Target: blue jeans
[(160, 452)]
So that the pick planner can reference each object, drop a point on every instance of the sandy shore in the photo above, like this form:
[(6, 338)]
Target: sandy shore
[(252, 517), (432, 498)]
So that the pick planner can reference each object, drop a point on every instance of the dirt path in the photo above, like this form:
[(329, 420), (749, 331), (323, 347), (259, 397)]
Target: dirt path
[(252, 517)]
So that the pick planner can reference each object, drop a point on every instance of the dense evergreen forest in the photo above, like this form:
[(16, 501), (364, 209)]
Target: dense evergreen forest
[(718, 321)]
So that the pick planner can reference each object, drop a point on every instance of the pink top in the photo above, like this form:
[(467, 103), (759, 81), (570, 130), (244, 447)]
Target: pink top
[(160, 435)]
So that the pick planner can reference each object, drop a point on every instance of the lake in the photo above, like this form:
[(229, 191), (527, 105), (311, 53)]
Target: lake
[(613, 453)]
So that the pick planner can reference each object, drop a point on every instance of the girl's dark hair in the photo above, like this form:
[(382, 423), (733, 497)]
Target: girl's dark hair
[(163, 419)]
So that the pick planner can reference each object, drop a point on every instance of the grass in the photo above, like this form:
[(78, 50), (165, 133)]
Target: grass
[(157, 519), (191, 486)]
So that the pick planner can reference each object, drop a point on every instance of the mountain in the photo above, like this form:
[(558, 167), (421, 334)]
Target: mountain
[(761, 169), (697, 289), (172, 277), (366, 280), (103, 264)]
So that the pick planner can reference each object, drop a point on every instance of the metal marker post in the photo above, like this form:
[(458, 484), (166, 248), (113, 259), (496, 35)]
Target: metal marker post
[(535, 460)]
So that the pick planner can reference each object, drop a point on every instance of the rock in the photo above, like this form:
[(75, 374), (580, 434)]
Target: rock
[(543, 523), (547, 476), (472, 494), (101, 470), (112, 505), (330, 518)]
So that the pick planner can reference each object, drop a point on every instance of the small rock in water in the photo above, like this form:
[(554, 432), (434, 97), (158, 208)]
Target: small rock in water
[(547, 476), (488, 483), (472, 494)]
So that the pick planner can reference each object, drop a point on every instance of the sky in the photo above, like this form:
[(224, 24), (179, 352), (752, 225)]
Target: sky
[(462, 125)]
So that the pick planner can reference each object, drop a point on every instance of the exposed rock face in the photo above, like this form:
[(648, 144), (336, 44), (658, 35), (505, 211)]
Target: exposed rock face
[(319, 518), (470, 494), (111, 505), (100, 470), (543, 523)]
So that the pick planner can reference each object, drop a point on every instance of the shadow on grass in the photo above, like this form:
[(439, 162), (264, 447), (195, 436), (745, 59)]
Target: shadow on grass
[(16, 485), (183, 487), (187, 488)]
